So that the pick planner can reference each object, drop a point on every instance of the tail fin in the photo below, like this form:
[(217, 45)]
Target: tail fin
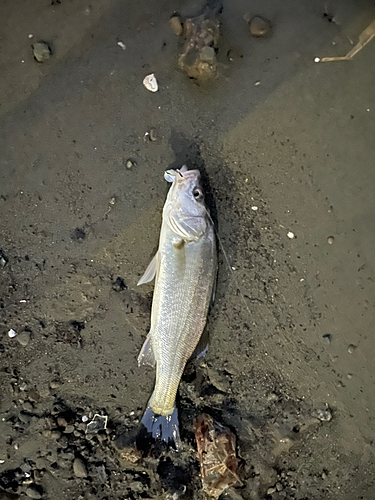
[(163, 427)]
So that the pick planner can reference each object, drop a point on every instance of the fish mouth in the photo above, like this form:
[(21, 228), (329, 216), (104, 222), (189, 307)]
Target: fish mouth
[(181, 174)]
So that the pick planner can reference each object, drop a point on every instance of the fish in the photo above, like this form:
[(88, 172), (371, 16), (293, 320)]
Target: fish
[(184, 268)]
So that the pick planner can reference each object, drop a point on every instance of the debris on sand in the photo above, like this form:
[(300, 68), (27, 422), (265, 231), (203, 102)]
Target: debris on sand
[(198, 58), (217, 456), (364, 38), (259, 26), (41, 51), (175, 24), (98, 423)]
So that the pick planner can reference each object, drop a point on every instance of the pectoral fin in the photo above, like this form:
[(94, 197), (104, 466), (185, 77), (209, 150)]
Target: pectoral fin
[(188, 228), (150, 272), (146, 356)]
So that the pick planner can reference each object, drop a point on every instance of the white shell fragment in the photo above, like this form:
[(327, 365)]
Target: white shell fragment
[(12, 333), (122, 45), (290, 235), (151, 83)]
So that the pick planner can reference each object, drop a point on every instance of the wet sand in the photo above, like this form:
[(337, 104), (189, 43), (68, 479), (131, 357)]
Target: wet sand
[(290, 363)]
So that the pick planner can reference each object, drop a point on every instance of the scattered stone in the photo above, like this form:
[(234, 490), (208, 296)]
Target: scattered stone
[(351, 348), (23, 338), (23, 386), (324, 415), (34, 396), (69, 429), (3, 260), (27, 406), (55, 434), (78, 234), (129, 164), (208, 55), (41, 51), (327, 337), (25, 417), (279, 486), (119, 285), (330, 240), (260, 27), (61, 422), (176, 25), (79, 468), (151, 83), (34, 491), (55, 384), (12, 333), (98, 423), (270, 491)]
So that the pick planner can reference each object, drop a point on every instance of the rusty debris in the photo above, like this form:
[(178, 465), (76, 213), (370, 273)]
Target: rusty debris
[(216, 446)]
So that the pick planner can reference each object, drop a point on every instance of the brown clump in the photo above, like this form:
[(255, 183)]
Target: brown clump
[(260, 27), (216, 446)]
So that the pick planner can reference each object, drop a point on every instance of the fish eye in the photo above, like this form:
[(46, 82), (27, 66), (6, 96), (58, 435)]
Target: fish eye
[(197, 193)]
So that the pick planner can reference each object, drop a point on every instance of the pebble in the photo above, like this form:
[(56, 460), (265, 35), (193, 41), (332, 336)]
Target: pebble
[(34, 396), (69, 429), (41, 51), (24, 417), (351, 348), (79, 468), (23, 338), (151, 83), (207, 54), (327, 337), (270, 491), (330, 240), (12, 333), (176, 25), (61, 422), (55, 384), (28, 406), (290, 235), (129, 164), (279, 486), (260, 27), (3, 260), (55, 434), (118, 285), (33, 491)]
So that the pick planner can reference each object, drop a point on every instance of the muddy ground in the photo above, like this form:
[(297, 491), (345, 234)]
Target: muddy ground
[(290, 367)]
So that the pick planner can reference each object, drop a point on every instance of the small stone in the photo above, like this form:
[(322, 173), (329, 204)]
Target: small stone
[(27, 406), (351, 348), (330, 240), (119, 285), (61, 422), (34, 396), (290, 235), (23, 338), (270, 491), (55, 384), (79, 468), (12, 333), (3, 260), (327, 337), (25, 418), (41, 51), (260, 27), (23, 386), (69, 429), (207, 54), (55, 434), (279, 486), (129, 164), (176, 25), (34, 491)]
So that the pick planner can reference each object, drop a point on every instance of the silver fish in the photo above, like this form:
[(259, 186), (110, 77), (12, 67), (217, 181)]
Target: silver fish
[(184, 268)]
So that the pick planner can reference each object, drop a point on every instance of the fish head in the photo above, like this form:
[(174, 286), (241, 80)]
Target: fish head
[(186, 197)]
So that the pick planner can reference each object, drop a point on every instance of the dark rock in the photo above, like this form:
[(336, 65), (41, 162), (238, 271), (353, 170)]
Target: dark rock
[(118, 285)]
